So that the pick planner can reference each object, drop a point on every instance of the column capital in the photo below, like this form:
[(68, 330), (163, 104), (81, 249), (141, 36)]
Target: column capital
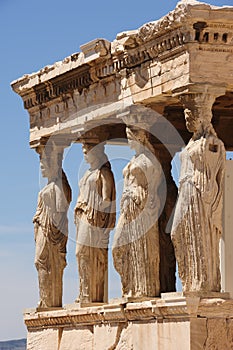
[(94, 135), (139, 116), (199, 95), (58, 142), (198, 99)]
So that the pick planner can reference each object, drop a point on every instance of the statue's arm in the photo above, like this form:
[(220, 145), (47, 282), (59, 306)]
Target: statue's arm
[(108, 186), (135, 195), (36, 217), (215, 159), (219, 178), (78, 210)]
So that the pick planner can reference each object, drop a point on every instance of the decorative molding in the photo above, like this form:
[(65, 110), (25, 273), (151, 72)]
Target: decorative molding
[(190, 23), (176, 305), (96, 49), (76, 79), (164, 47)]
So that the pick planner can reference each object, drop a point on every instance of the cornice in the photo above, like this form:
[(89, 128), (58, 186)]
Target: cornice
[(76, 79), (204, 27)]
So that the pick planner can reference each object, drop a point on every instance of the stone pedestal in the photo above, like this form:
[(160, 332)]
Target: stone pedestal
[(176, 321)]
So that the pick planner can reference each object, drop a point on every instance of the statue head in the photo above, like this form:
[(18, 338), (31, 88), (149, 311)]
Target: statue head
[(196, 122), (192, 119), (94, 154), (50, 161), (198, 111), (138, 138)]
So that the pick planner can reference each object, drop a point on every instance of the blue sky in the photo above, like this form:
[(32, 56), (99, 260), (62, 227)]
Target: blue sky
[(33, 35)]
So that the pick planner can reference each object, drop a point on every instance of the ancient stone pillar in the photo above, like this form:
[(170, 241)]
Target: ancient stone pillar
[(197, 224), (94, 218), (136, 248), (51, 226)]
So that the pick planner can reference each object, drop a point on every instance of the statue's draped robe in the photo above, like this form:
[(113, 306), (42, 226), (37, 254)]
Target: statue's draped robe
[(197, 224), (136, 240), (51, 233), (94, 222)]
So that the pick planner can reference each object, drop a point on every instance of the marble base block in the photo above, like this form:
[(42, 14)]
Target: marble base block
[(173, 322)]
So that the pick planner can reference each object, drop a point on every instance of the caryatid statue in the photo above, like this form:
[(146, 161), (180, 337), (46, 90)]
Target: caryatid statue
[(95, 216), (136, 252), (51, 227), (197, 224)]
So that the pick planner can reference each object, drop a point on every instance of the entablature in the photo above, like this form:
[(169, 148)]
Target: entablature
[(150, 66)]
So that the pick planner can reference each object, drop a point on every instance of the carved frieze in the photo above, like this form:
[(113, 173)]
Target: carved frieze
[(77, 79)]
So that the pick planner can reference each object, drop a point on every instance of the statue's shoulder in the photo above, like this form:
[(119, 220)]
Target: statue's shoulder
[(48, 188), (106, 172), (142, 160), (149, 161)]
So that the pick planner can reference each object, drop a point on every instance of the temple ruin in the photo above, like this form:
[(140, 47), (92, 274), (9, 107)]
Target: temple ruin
[(157, 88)]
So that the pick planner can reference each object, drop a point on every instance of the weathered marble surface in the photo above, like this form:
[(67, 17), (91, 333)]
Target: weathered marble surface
[(188, 51), (136, 253), (190, 46), (95, 215), (51, 228), (146, 325), (197, 224)]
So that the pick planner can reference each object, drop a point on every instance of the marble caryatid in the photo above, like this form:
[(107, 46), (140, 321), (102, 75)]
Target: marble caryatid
[(136, 241), (95, 216), (51, 227), (197, 224)]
